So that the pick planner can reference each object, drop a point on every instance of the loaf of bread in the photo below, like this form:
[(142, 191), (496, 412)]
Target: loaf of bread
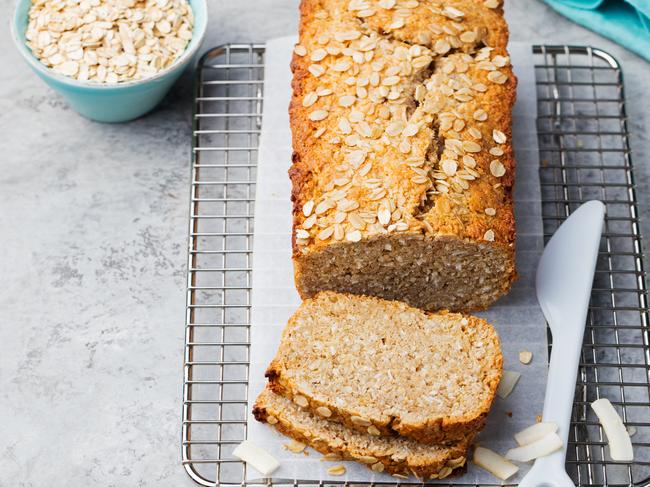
[(384, 368), (397, 456), (403, 166)]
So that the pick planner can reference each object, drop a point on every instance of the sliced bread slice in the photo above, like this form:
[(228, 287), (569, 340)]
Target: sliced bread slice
[(385, 368), (394, 455)]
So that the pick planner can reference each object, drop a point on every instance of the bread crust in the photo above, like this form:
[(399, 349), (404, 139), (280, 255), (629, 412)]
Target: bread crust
[(442, 462), (476, 206), (288, 375)]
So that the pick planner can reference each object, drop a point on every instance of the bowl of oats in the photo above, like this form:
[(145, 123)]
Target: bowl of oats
[(112, 60)]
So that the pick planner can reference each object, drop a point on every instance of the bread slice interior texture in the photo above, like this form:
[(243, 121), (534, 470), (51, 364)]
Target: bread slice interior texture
[(427, 272), (385, 368)]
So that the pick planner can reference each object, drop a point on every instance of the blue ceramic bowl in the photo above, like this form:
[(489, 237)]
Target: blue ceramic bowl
[(117, 102)]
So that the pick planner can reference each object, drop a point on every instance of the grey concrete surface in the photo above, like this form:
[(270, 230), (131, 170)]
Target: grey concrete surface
[(93, 222)]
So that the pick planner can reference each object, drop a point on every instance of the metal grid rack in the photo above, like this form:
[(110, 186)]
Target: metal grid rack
[(584, 155)]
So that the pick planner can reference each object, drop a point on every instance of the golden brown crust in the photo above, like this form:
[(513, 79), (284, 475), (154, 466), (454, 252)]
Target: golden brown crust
[(320, 342), (396, 456), (402, 129), (428, 26)]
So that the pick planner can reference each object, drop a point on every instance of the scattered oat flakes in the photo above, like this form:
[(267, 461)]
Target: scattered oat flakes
[(442, 46), (308, 208), (367, 459), (456, 462), (301, 401), (318, 55), (346, 101), (497, 77), (316, 69), (383, 215), (499, 137), (449, 166), (295, 446), (302, 234), (327, 233), (500, 61), (480, 115), (317, 115), (468, 36), (336, 470), (525, 357), (353, 236), (331, 457), (474, 132), (373, 430), (323, 411), (471, 146), (497, 169), (359, 421)]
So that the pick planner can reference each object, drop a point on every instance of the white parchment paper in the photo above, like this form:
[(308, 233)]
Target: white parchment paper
[(517, 317)]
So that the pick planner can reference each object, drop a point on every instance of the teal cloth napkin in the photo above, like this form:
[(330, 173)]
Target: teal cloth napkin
[(624, 21)]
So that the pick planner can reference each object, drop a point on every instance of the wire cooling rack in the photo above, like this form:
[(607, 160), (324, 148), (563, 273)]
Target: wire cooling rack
[(584, 155)]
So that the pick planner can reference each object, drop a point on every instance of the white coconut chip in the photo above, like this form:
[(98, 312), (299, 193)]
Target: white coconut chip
[(508, 382), (534, 433), (540, 448), (618, 438), (256, 457), (494, 463)]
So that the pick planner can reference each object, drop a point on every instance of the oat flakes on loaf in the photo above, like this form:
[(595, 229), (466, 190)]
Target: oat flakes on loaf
[(403, 165)]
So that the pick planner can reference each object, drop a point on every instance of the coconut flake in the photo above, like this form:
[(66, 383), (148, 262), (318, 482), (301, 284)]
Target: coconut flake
[(540, 448), (534, 433), (618, 438), (256, 457), (494, 463), (508, 382)]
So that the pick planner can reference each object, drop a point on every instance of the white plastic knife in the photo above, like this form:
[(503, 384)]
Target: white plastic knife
[(564, 279)]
